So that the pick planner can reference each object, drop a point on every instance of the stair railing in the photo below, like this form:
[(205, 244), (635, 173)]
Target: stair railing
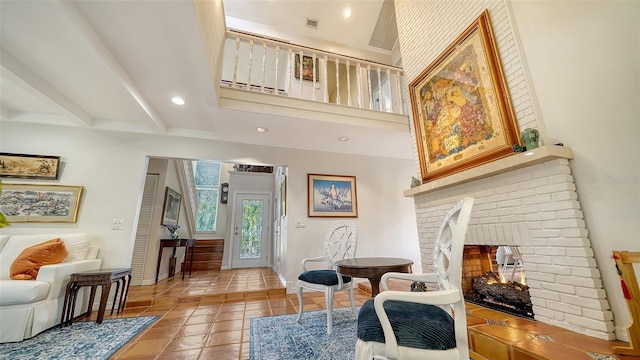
[(269, 66)]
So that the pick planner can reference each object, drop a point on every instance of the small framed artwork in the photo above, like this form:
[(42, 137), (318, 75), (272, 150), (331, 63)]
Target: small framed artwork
[(27, 166), (332, 196), (40, 203), (462, 111), (171, 207), (307, 68)]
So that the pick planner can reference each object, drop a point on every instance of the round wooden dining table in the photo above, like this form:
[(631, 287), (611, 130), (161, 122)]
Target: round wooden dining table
[(373, 268)]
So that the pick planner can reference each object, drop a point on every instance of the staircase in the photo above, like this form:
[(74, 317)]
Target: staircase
[(207, 255)]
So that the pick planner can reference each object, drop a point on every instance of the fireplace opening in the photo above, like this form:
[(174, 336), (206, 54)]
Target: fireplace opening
[(493, 276)]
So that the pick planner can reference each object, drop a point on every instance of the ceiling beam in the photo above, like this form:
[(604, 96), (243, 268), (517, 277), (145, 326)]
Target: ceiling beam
[(158, 125), (14, 71)]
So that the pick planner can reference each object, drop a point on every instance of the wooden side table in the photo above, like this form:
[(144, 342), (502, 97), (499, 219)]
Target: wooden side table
[(103, 278), (176, 243), (373, 268)]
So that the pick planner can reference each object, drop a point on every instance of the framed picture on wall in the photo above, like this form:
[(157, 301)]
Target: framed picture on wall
[(462, 111), (40, 203), (307, 68), (332, 196), (25, 166), (171, 207)]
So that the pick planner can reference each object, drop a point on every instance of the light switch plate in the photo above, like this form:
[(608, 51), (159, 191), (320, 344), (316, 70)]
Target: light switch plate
[(117, 224)]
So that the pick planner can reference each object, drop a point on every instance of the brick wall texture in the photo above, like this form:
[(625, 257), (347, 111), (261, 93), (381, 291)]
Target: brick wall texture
[(535, 208)]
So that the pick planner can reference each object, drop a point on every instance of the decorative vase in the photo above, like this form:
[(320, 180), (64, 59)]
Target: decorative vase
[(174, 235), (530, 138)]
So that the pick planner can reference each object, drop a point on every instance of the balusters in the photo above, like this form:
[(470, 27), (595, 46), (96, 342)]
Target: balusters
[(359, 82), (250, 64), (326, 88), (369, 83), (301, 63), (235, 64), (289, 71), (390, 94), (276, 87), (264, 65), (348, 84), (318, 61), (399, 86), (337, 62), (313, 91), (379, 90)]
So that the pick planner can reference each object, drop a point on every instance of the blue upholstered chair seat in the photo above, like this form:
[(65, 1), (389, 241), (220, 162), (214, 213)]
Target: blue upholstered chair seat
[(415, 325), (323, 277)]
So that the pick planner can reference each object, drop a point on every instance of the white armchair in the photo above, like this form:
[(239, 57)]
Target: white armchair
[(340, 243), (422, 325)]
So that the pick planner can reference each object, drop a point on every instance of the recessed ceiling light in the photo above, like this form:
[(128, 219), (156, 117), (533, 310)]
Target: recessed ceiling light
[(347, 12), (343, 138), (177, 100), (261, 129)]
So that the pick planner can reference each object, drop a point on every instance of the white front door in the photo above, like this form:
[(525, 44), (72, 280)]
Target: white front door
[(251, 231)]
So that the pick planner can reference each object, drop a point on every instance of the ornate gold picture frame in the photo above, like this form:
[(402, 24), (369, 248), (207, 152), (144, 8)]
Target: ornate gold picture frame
[(462, 110)]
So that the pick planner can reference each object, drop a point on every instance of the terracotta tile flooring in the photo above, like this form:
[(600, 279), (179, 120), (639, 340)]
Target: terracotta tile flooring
[(207, 317)]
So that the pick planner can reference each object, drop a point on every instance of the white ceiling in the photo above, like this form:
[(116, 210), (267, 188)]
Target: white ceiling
[(114, 65)]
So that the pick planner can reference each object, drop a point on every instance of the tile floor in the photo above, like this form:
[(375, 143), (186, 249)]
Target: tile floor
[(207, 317)]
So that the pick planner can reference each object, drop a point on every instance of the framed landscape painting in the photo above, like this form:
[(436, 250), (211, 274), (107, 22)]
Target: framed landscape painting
[(40, 203), (462, 111), (27, 166), (332, 196)]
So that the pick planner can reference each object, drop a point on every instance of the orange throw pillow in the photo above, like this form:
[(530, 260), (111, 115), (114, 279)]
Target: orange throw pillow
[(28, 263)]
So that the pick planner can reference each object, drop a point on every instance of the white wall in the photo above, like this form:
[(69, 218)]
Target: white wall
[(112, 168), (572, 68), (584, 60)]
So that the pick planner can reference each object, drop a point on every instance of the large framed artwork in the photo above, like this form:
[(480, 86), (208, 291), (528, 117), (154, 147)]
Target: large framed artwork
[(40, 203), (332, 196), (171, 207), (462, 111), (25, 166)]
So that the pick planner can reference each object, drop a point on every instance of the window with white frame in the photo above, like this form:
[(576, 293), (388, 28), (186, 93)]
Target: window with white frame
[(206, 175)]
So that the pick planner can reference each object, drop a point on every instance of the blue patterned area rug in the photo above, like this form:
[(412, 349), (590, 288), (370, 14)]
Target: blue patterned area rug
[(282, 338), (80, 341)]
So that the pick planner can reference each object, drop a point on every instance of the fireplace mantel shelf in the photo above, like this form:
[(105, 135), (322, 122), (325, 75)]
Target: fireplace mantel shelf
[(532, 157)]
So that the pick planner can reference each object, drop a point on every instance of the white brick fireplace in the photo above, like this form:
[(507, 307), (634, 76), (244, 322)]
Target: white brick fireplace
[(528, 200)]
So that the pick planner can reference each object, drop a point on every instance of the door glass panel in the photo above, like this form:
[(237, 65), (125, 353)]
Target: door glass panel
[(251, 243)]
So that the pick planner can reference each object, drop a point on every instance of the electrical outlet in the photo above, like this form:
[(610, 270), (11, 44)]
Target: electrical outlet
[(299, 224), (117, 224)]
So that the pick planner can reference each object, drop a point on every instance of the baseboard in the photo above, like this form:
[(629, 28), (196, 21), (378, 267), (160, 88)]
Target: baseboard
[(622, 334)]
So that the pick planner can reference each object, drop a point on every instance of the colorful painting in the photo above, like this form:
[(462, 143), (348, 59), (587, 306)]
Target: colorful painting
[(332, 196), (307, 68), (461, 106), (40, 203), (29, 166)]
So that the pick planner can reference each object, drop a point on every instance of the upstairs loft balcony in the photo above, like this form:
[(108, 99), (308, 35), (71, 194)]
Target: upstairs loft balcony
[(264, 75)]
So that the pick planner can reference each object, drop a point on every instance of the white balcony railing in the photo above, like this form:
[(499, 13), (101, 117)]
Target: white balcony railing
[(269, 66)]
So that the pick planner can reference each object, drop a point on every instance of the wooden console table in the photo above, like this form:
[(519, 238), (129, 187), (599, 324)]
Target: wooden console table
[(373, 268), (176, 243), (103, 278)]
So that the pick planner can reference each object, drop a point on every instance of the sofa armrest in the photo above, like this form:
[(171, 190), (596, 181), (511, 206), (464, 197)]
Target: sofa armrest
[(57, 275)]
